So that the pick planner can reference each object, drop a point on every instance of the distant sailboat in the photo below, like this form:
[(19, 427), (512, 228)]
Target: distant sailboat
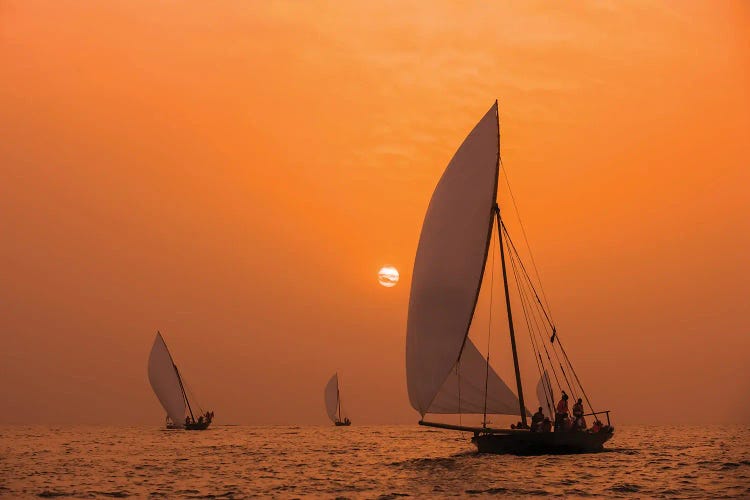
[(167, 384), (332, 398), (446, 372)]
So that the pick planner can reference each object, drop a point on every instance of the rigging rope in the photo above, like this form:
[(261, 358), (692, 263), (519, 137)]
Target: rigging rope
[(526, 303), (528, 278), (576, 376), (525, 238), (523, 308), (530, 290), (543, 307), (189, 391)]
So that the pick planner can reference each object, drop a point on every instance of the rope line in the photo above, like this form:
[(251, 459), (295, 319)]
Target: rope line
[(523, 231), (525, 313)]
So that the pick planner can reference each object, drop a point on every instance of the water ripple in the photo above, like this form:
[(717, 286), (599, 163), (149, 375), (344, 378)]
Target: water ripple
[(360, 461)]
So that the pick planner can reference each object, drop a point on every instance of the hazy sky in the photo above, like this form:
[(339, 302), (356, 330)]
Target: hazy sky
[(234, 174)]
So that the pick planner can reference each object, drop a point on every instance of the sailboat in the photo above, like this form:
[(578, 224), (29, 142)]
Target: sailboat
[(332, 398), (446, 372), (168, 386)]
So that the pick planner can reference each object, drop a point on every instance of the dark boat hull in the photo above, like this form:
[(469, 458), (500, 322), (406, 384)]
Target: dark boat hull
[(197, 426), (541, 443), (342, 424)]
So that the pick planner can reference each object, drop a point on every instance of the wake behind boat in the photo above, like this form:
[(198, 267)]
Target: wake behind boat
[(446, 372), (332, 398), (168, 386)]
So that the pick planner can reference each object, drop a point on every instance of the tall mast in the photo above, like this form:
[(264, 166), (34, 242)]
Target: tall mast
[(338, 397), (519, 387), (179, 379), (182, 388), (510, 320)]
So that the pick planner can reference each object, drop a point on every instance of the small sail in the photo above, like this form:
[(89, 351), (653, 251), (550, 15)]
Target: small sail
[(544, 394), (331, 397), (450, 262), (463, 390), (163, 377)]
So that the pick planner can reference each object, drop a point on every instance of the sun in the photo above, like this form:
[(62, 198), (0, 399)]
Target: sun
[(388, 276)]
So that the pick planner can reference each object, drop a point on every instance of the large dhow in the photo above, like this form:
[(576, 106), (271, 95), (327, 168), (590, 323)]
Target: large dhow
[(332, 398), (446, 372), (169, 388)]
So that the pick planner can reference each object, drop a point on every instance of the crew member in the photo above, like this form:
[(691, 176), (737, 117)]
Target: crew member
[(561, 412), (536, 420), (579, 423)]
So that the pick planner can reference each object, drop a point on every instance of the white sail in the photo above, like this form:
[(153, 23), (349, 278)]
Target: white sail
[(449, 263), (163, 377), (331, 397), (464, 389), (544, 394)]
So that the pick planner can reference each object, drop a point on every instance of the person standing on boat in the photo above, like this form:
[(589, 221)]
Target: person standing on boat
[(578, 408), (561, 412), (579, 423), (536, 420)]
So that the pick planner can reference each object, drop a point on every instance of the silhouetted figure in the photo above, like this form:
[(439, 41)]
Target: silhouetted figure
[(578, 408), (536, 420), (561, 412), (547, 425), (567, 423), (579, 423)]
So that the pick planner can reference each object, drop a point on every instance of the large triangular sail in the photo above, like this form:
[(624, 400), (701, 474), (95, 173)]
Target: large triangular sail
[(450, 262), (331, 398), (162, 375)]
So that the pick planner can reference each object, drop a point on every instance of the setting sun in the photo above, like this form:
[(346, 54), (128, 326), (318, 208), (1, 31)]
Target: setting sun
[(388, 276)]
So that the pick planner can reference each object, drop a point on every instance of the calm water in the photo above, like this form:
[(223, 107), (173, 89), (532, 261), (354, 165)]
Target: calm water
[(369, 462)]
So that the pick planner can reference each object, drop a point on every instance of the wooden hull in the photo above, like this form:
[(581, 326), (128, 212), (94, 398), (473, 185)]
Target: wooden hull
[(195, 426), (541, 443), (342, 424)]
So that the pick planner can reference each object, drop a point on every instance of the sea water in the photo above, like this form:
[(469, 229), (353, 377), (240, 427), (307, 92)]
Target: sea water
[(361, 462)]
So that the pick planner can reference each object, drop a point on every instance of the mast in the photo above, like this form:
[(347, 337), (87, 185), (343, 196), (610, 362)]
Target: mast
[(338, 397), (510, 319), (182, 388), (486, 250), (179, 378)]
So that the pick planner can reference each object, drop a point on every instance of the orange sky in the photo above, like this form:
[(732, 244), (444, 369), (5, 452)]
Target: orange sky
[(235, 173)]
